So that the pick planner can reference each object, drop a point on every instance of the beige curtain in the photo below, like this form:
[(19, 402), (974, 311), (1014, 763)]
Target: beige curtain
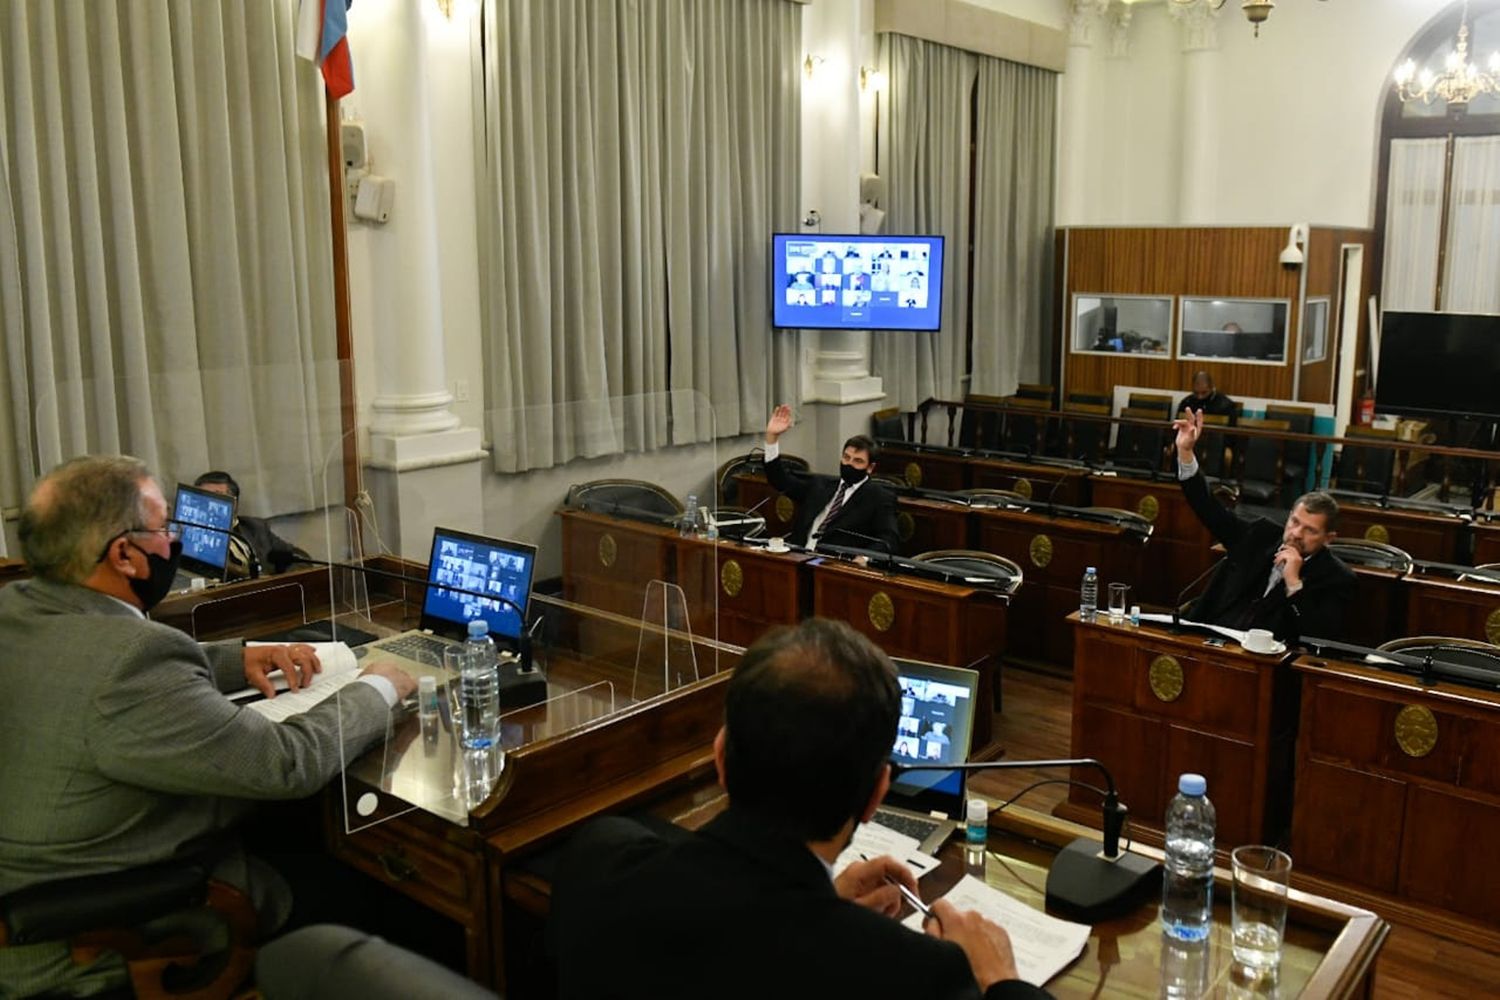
[(165, 271), (1413, 223), (1015, 164), (635, 157), (1471, 266)]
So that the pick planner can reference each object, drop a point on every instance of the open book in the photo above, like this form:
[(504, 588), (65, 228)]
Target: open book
[(340, 667), (1043, 945)]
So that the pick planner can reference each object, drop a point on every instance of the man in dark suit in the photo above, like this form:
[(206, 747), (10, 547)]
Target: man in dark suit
[(748, 906), (1276, 577), (1207, 399), (253, 546), (850, 510)]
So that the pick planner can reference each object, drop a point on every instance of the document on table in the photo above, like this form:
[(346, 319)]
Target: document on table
[(340, 667), (1043, 945), (1229, 633), (872, 840)]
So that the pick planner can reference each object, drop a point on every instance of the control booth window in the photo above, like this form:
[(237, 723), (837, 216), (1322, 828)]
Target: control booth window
[(1122, 324), (1244, 331), (1314, 330)]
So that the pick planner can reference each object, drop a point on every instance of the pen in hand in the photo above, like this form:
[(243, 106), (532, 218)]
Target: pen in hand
[(912, 898)]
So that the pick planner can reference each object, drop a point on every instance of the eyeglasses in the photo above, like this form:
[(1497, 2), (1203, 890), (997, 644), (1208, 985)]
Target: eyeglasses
[(172, 529)]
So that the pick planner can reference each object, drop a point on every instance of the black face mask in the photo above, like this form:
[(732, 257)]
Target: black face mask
[(151, 590), (850, 475)]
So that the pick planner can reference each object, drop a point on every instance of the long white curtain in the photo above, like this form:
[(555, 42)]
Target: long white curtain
[(1471, 265), (1015, 165), (165, 271), (1413, 223), (925, 153), (635, 157)]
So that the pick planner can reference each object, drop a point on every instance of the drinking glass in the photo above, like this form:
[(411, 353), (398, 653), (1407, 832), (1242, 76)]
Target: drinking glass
[(1259, 911), (1118, 593)]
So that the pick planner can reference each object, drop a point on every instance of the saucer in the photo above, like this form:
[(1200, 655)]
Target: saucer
[(1276, 649), (783, 547)]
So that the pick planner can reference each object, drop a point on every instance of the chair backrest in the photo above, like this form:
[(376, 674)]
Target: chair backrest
[(1150, 402), (888, 424), (1299, 420), (1021, 431), (1088, 399), (1469, 652), (1034, 390), (1367, 470), (1378, 555), (1141, 446), (727, 489), (635, 499), (1213, 451), (980, 428), (973, 562), (1263, 457), (1086, 439)]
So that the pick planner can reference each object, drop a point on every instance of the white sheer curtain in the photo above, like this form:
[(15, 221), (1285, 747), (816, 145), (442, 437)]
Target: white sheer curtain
[(1471, 266), (1015, 164), (635, 156), (925, 153), (1413, 223), (165, 274)]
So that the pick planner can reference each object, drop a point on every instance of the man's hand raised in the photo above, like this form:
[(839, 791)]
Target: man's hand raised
[(1189, 426), (779, 424)]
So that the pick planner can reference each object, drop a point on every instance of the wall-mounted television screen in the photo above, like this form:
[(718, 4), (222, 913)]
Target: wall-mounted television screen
[(856, 282), (1444, 364)]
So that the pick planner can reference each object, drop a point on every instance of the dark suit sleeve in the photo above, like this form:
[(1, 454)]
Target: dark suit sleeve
[(884, 526), (1218, 519), (1016, 989), (1318, 608), (599, 850), (785, 481)]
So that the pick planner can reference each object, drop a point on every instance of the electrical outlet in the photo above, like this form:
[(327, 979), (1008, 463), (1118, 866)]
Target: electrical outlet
[(461, 390)]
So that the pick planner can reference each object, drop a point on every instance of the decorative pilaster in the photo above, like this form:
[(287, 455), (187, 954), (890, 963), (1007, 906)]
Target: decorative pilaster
[(1119, 31), (1198, 20), (1074, 203)]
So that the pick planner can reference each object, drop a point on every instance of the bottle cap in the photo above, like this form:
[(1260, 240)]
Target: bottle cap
[(1092, 570), (478, 627), (1192, 784), (978, 811), (1135, 611), (427, 684)]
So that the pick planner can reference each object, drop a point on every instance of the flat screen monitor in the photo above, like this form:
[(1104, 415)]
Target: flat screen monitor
[(483, 565), (1442, 364), (856, 282), (935, 726), (204, 519)]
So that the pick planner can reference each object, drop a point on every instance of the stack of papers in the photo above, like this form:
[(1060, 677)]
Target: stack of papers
[(1043, 945), (872, 840), (339, 668)]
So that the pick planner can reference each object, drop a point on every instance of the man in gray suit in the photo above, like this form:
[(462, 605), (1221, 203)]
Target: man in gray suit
[(120, 748)]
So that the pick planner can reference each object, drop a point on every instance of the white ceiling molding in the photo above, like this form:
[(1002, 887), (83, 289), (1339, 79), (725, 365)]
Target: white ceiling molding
[(975, 29)]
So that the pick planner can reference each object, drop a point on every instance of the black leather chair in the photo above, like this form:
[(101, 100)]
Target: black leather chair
[(888, 424), (633, 499), (972, 562), (1141, 447), (1469, 652), (753, 463), (1150, 402), (1366, 470), (1214, 453), (1377, 555), (1021, 431), (980, 428), (1087, 440), (1262, 462), (181, 933), (1299, 420)]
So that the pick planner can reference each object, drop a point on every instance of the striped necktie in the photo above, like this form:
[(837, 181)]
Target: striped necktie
[(833, 508)]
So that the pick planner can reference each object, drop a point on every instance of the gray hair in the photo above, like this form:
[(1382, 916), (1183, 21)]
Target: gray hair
[(77, 509), (1318, 502)]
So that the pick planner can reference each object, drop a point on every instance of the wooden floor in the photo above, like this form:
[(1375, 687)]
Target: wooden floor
[(1037, 723)]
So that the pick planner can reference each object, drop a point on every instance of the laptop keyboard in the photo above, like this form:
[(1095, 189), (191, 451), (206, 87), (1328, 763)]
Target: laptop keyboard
[(422, 648), (916, 827)]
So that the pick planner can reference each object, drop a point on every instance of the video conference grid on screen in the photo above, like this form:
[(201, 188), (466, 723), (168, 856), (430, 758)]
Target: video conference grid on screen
[(925, 732), (205, 521), (858, 282), (476, 566)]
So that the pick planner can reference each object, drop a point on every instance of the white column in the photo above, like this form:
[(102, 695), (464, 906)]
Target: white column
[(1074, 206), (1200, 111)]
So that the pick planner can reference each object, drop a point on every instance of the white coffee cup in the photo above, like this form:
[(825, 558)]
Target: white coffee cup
[(1259, 640), (777, 544)]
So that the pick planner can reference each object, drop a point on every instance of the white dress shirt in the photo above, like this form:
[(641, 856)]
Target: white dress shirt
[(773, 451)]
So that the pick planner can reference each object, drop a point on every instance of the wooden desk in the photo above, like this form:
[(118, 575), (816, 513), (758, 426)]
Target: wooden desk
[(1398, 793), (1437, 606), (1378, 610), (922, 620), (1181, 547), (931, 470), (266, 604), (1423, 535), (756, 493), (1065, 486), (1152, 705), (931, 525), (1486, 542), (1054, 552)]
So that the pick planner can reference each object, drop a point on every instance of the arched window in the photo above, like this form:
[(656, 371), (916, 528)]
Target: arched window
[(1438, 209)]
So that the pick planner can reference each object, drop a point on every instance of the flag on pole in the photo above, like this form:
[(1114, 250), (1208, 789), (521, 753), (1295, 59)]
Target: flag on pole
[(322, 27)]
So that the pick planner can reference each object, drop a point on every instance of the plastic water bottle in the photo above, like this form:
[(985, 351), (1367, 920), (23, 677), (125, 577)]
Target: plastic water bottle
[(1188, 880), (479, 688), (1088, 595), (689, 523)]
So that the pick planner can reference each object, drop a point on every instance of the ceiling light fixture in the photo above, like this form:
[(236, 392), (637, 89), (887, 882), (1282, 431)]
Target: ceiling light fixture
[(1460, 81)]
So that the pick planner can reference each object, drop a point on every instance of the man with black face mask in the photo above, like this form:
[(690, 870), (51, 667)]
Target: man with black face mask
[(850, 510), (120, 748)]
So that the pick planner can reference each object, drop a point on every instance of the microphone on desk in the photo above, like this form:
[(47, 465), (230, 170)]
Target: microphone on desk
[(1085, 882), (1182, 594), (890, 554)]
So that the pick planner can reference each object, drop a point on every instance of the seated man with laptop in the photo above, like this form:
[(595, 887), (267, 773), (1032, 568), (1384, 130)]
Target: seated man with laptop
[(747, 906)]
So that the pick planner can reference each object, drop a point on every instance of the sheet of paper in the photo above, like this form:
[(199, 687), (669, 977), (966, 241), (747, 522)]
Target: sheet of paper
[(339, 668), (1043, 945), (1228, 633), (872, 840)]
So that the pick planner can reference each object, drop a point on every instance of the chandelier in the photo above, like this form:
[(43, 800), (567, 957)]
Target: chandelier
[(1460, 82), (1256, 11)]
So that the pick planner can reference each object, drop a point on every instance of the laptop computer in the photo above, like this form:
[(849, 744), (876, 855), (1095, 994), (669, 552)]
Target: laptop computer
[(204, 518), (475, 563), (935, 727)]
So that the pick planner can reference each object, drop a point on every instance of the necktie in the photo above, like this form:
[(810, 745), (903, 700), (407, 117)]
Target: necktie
[(1277, 573), (833, 508)]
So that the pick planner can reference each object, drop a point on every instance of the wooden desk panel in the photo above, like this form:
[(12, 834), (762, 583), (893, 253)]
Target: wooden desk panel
[(1152, 705), (1424, 536), (607, 561), (747, 588), (1486, 543), (756, 494), (1378, 610), (1386, 798), (1181, 548), (1053, 553), (924, 468), (1436, 606), (930, 525), (921, 620), (1068, 487)]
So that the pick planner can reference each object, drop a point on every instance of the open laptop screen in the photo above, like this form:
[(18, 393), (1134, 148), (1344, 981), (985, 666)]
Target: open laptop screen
[(936, 723), (484, 565), (205, 518)]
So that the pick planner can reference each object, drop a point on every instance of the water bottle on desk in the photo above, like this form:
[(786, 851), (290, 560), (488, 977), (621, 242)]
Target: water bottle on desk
[(688, 525), (479, 693), (1188, 879), (1088, 595)]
